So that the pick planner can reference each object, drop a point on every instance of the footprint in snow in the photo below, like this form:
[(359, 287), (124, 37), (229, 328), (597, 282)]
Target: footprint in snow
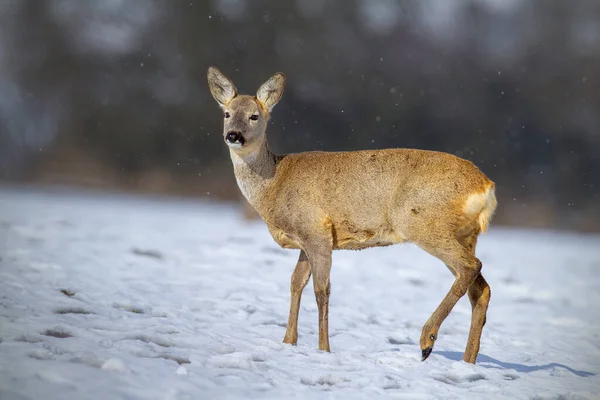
[(273, 322), (399, 340), (151, 340), (509, 280), (231, 361), (258, 357), (57, 333), (178, 359), (68, 292), (157, 255), (392, 386), (416, 282), (72, 310), (131, 308), (328, 380), (456, 380)]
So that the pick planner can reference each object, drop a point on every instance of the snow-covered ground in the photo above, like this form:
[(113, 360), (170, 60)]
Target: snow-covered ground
[(120, 297)]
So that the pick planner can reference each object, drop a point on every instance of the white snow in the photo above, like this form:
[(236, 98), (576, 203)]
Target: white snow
[(119, 297)]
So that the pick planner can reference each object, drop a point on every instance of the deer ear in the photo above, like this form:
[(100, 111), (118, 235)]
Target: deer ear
[(271, 91), (221, 87)]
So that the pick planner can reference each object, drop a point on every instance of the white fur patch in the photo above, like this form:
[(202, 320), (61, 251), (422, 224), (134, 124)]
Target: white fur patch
[(245, 187), (475, 203), (483, 205), (234, 146)]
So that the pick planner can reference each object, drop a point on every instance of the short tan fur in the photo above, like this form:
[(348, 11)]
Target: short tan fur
[(318, 202)]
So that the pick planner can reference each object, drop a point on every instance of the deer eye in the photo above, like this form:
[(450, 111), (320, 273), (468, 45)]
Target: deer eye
[(227, 115), (254, 117)]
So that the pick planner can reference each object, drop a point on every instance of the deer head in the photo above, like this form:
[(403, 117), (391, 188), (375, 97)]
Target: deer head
[(245, 117)]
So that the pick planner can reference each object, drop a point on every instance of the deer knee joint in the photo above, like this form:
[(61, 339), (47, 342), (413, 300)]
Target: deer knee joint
[(473, 270), (478, 266)]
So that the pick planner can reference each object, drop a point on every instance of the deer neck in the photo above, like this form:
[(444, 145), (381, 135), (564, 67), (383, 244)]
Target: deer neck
[(254, 171)]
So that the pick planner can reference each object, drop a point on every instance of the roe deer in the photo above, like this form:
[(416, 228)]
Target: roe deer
[(322, 201)]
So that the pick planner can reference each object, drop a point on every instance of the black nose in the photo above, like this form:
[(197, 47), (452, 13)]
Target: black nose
[(234, 137)]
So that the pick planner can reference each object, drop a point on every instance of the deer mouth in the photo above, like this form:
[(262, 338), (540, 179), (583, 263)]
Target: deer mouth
[(235, 140)]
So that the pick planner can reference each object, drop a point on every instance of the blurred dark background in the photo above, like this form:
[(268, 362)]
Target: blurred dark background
[(112, 94)]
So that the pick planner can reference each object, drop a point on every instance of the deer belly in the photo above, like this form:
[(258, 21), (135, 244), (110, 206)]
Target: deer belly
[(351, 238)]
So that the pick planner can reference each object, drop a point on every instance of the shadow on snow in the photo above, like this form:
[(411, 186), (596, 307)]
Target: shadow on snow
[(482, 358)]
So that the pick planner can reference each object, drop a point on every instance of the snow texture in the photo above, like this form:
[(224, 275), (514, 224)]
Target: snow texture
[(119, 297)]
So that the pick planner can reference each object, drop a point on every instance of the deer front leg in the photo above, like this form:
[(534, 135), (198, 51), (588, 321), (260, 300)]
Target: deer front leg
[(320, 265), (466, 268), (300, 278)]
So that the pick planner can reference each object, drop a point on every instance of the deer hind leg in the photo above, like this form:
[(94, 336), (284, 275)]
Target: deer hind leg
[(479, 295), (300, 278), (465, 267)]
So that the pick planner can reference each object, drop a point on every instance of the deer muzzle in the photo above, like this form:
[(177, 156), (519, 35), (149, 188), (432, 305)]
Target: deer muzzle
[(234, 139)]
